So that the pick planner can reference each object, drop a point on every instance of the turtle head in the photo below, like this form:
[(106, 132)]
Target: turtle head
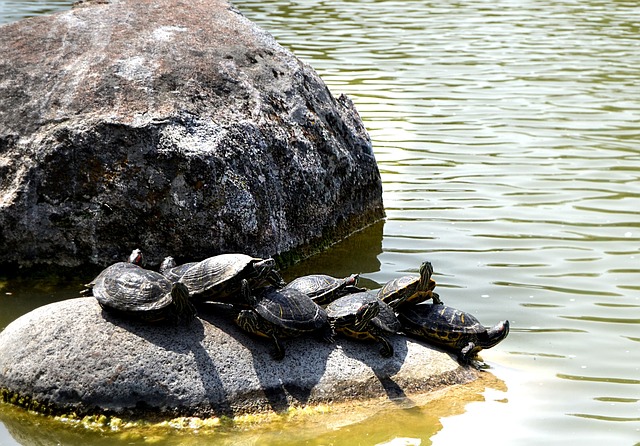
[(352, 280), (248, 320), (426, 270), (180, 298), (266, 270), (263, 267), (365, 313), (168, 263), (135, 257), (496, 334)]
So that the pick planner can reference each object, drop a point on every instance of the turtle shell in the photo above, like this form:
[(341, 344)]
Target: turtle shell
[(135, 260), (409, 288), (449, 327), (172, 271), (131, 288), (345, 308), (218, 277), (322, 288), (292, 310)]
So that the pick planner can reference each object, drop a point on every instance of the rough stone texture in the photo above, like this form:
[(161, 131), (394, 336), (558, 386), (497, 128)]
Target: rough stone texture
[(177, 127), (70, 357)]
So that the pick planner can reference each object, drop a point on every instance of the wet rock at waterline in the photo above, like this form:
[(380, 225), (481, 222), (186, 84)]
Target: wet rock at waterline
[(69, 356), (179, 128)]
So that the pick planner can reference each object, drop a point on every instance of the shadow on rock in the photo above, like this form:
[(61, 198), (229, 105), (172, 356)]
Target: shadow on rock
[(368, 352), (186, 340), (283, 383)]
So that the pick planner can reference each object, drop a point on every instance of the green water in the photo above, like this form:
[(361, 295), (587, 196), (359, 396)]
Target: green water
[(508, 137)]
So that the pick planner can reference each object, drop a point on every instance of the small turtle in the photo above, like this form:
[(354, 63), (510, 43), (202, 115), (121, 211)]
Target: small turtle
[(323, 289), (173, 271), (451, 329), (283, 313), (141, 294), (218, 278), (364, 316), (410, 289)]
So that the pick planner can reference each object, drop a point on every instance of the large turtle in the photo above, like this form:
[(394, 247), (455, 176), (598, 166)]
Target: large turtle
[(219, 278), (172, 271), (283, 313), (410, 288), (134, 261), (451, 329), (364, 316), (141, 294), (323, 289)]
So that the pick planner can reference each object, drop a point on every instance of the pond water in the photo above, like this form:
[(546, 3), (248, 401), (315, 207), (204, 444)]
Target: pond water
[(508, 138)]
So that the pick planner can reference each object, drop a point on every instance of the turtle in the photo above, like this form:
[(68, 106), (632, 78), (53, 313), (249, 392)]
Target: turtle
[(410, 289), (364, 316), (134, 261), (173, 271), (218, 278), (323, 289), (450, 328), (142, 294), (282, 313)]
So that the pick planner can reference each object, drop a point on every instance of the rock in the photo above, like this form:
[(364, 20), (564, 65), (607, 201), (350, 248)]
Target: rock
[(179, 128), (71, 357)]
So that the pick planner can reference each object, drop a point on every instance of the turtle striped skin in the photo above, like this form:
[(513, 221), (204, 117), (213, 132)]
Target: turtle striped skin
[(365, 317), (285, 313), (451, 329), (410, 289), (324, 289), (140, 294), (219, 278), (172, 271)]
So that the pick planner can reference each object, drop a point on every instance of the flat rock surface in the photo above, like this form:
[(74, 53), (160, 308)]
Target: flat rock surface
[(71, 356)]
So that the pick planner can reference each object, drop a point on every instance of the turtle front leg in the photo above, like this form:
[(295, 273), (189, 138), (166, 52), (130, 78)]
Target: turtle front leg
[(278, 352), (327, 334), (275, 279), (387, 349), (467, 353), (436, 298)]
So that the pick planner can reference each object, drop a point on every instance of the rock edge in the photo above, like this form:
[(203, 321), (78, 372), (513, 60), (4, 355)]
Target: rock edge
[(70, 357)]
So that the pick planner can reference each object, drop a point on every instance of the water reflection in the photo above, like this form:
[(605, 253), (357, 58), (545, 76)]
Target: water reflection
[(371, 424), (506, 134)]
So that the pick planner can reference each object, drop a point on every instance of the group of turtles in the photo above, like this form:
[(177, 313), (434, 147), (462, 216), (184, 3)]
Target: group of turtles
[(265, 305)]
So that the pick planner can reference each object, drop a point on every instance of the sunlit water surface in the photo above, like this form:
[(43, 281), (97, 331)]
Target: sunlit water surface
[(508, 137)]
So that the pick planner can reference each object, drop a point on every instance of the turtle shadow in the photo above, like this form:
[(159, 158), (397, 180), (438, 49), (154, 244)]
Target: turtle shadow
[(184, 340), (285, 382), (384, 369)]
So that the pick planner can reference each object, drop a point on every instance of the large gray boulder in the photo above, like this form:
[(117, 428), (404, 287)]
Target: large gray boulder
[(177, 127), (70, 357)]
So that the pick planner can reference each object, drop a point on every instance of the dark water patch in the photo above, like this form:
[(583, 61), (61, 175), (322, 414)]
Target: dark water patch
[(607, 320), (598, 379)]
